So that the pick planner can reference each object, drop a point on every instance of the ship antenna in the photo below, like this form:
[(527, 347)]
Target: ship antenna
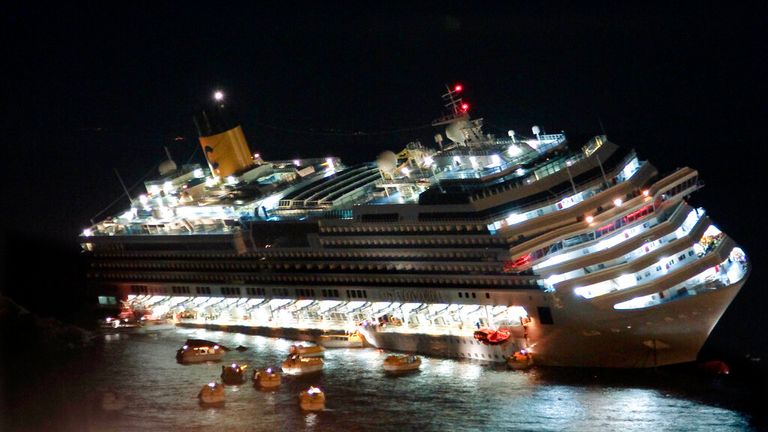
[(602, 128), (167, 153), (454, 101), (125, 189)]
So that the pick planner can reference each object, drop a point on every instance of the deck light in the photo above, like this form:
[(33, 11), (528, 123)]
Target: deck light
[(590, 219), (218, 95), (618, 202)]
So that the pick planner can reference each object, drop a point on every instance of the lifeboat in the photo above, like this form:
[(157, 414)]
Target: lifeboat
[(211, 394), (520, 360), (492, 337), (401, 363), (298, 365), (149, 325), (312, 399), (199, 351), (349, 340), (233, 374), (112, 325), (267, 378), (307, 351)]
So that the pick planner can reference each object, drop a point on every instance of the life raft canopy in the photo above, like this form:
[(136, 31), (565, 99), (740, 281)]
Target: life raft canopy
[(492, 337)]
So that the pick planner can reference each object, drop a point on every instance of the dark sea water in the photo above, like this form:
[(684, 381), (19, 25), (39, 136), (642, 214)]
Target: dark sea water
[(446, 395)]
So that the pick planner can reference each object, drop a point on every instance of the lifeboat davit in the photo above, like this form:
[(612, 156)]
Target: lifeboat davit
[(492, 337)]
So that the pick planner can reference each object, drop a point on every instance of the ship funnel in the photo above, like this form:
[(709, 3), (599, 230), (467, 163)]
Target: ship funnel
[(222, 140)]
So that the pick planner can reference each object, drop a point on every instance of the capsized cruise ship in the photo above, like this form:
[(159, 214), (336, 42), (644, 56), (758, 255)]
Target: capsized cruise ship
[(579, 253)]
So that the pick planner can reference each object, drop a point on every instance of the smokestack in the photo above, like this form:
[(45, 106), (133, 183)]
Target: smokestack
[(222, 139)]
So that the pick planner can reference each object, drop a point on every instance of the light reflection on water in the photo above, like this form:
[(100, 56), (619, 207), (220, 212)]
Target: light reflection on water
[(444, 395)]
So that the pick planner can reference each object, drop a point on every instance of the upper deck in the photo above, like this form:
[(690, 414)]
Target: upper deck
[(470, 174), (192, 201)]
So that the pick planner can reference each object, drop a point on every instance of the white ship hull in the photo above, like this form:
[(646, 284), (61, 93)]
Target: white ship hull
[(458, 346), (666, 334), (340, 342)]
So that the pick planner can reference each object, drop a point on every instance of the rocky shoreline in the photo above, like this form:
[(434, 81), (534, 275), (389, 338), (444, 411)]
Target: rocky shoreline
[(25, 334)]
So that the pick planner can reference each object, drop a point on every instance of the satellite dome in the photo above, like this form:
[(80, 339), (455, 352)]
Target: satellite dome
[(166, 167), (454, 131), (387, 161)]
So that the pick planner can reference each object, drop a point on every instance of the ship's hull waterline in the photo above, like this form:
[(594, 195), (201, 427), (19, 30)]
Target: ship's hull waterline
[(670, 333), (666, 334)]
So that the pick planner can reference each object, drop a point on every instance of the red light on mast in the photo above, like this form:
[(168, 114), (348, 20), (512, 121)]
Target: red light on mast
[(465, 107), (458, 88)]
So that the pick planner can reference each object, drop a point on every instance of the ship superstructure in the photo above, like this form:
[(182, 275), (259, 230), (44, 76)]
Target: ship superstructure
[(582, 251)]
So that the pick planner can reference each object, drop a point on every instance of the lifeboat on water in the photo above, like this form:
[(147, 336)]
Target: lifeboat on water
[(401, 363), (233, 374), (312, 399), (267, 378), (199, 351), (349, 340), (492, 337), (211, 394), (307, 351), (298, 365), (150, 325), (520, 360)]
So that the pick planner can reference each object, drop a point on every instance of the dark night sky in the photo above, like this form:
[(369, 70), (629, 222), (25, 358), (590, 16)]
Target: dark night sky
[(88, 89)]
